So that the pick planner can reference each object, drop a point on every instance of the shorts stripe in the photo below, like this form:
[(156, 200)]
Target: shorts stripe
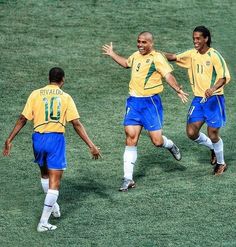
[(156, 111), (221, 112)]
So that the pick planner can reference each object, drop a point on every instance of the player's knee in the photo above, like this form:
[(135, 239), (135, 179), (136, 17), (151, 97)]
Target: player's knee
[(214, 137), (131, 141), (157, 142), (192, 134), (54, 185)]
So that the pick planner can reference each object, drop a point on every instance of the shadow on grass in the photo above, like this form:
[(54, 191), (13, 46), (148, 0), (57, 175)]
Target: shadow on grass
[(163, 161), (83, 187), (76, 191)]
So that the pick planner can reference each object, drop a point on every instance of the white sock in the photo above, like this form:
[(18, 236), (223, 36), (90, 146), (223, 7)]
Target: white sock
[(167, 143), (204, 140), (130, 157), (50, 200), (219, 151), (45, 184)]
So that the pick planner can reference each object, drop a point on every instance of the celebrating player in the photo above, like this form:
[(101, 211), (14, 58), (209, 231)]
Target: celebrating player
[(50, 108), (208, 73), (144, 106)]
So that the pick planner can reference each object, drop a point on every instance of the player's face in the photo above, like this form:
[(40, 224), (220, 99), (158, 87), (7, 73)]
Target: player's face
[(144, 44), (200, 43)]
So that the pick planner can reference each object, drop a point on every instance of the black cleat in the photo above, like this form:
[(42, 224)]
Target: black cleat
[(219, 169)]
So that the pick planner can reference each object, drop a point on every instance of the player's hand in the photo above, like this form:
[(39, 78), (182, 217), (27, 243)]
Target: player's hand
[(95, 151), (108, 49), (7, 148), (183, 96), (209, 92)]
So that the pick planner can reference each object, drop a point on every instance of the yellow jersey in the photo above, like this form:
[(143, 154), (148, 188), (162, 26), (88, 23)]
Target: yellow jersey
[(204, 70), (147, 73), (50, 108)]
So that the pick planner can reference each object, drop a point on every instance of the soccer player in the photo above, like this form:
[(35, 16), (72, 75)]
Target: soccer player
[(144, 106), (50, 108), (208, 73)]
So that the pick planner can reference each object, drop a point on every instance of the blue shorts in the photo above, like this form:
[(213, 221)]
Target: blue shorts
[(144, 111), (50, 149), (212, 111)]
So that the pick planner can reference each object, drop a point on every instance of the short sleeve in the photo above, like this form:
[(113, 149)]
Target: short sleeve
[(162, 65), (220, 66), (130, 61), (28, 109)]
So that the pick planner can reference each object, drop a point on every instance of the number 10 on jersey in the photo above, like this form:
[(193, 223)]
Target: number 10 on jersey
[(52, 108)]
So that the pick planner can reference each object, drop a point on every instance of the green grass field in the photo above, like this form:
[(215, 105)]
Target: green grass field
[(175, 204)]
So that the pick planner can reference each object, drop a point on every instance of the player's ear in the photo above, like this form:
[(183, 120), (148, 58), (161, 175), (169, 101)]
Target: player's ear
[(62, 82), (206, 39)]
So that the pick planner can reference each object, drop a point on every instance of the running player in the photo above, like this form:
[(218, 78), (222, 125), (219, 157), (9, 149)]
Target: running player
[(144, 106), (208, 73)]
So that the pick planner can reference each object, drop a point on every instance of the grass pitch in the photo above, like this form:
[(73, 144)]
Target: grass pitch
[(175, 203)]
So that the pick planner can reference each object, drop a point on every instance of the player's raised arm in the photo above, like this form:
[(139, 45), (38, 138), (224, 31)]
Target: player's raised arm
[(170, 79), (108, 50), (80, 130)]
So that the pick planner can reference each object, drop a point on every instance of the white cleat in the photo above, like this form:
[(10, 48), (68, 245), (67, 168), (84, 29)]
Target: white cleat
[(45, 227), (176, 152), (127, 184)]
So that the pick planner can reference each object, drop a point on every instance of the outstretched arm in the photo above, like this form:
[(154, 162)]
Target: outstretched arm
[(18, 126), (80, 130), (173, 83), (108, 50), (170, 56)]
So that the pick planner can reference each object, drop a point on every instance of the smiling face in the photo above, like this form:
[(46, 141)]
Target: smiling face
[(145, 43), (200, 43)]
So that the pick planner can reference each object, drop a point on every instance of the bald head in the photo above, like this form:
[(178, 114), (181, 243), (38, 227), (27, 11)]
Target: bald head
[(145, 43), (147, 35)]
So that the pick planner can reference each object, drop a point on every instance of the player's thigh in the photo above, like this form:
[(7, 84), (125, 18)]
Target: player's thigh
[(132, 133), (156, 137), (192, 129), (213, 134)]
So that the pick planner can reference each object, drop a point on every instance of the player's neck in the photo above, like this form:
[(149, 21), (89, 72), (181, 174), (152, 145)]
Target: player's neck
[(56, 84), (204, 49)]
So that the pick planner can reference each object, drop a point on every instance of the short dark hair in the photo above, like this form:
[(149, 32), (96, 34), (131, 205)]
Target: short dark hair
[(205, 32), (56, 74)]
